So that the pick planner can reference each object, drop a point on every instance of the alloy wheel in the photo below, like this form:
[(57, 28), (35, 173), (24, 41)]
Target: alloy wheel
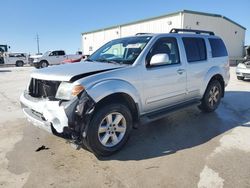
[(112, 129), (214, 96)]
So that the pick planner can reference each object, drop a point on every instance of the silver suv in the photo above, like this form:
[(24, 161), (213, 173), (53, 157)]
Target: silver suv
[(143, 77)]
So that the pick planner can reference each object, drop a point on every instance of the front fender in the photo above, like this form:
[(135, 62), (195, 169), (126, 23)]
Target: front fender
[(102, 89), (210, 73)]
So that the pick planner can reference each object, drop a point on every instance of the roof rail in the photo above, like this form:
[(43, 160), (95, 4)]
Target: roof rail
[(142, 34), (174, 30)]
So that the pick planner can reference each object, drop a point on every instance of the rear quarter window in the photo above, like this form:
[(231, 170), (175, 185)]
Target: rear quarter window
[(195, 49), (218, 48)]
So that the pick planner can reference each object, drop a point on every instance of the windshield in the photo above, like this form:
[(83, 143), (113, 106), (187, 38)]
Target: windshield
[(123, 51), (46, 53), (3, 48)]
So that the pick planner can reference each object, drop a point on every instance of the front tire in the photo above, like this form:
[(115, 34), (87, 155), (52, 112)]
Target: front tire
[(109, 129), (240, 77), (212, 97), (19, 63), (44, 64)]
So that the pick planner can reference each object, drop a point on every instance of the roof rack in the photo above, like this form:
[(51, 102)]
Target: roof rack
[(174, 30)]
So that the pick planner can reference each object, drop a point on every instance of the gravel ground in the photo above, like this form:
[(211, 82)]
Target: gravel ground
[(185, 149)]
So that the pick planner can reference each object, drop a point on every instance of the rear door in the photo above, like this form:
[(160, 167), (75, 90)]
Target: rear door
[(197, 64), (164, 85), (61, 56)]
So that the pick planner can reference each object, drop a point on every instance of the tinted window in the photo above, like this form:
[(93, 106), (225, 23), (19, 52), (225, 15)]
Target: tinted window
[(54, 53), (61, 53), (3, 48), (218, 48), (165, 46), (195, 49)]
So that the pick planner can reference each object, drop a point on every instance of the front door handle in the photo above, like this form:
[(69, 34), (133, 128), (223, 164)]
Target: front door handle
[(180, 71)]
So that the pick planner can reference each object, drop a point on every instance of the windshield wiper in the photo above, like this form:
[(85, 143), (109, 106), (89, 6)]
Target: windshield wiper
[(90, 60), (107, 61)]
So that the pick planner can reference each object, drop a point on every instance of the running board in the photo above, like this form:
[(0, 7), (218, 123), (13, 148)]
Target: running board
[(163, 112)]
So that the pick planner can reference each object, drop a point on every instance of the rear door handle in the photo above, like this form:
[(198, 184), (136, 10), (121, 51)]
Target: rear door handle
[(180, 71)]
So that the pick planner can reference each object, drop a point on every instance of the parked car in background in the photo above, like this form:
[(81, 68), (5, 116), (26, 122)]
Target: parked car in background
[(18, 59), (53, 58), (128, 80), (243, 70)]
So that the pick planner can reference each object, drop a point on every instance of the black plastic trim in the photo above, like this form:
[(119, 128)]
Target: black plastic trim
[(163, 112)]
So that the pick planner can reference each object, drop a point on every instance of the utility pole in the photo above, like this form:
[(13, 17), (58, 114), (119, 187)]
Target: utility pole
[(37, 41)]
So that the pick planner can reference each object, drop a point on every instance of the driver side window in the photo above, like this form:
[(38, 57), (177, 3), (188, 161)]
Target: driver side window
[(54, 53), (167, 46)]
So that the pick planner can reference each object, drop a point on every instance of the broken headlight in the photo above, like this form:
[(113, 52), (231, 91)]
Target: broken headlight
[(67, 91)]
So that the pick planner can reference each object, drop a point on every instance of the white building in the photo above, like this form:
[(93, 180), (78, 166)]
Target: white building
[(231, 32)]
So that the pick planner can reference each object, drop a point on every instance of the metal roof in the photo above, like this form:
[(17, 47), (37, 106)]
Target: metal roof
[(214, 15), (163, 16)]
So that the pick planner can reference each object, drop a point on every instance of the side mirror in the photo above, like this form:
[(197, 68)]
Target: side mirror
[(159, 59)]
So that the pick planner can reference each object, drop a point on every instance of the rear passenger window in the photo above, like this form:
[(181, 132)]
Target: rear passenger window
[(61, 53), (195, 49), (218, 48)]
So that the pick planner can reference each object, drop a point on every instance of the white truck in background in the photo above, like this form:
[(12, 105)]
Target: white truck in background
[(18, 59), (8, 58), (53, 58)]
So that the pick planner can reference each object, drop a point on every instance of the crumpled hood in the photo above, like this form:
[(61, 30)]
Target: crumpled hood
[(71, 72)]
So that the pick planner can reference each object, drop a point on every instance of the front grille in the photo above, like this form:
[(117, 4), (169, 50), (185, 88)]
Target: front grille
[(246, 75), (43, 88)]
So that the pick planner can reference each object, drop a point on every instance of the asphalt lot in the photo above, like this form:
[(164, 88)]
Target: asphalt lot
[(185, 149)]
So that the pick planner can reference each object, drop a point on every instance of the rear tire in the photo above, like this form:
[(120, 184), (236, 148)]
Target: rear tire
[(1, 60), (109, 129), (212, 97), (240, 77), (19, 63)]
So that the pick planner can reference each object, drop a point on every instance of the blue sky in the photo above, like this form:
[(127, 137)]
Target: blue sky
[(60, 23)]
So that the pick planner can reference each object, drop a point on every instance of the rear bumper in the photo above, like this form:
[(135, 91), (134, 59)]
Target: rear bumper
[(44, 113)]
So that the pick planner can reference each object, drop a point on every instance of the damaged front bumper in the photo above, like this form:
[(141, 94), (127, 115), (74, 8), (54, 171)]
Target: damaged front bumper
[(61, 115)]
